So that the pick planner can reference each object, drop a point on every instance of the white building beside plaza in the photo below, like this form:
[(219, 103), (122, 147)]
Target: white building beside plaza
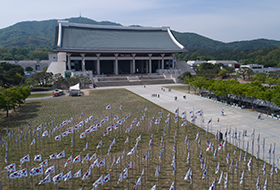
[(260, 68), (234, 64)]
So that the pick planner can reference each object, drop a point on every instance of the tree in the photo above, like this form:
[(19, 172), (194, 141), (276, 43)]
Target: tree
[(207, 70), (185, 75), (245, 72), (60, 82), (223, 73), (29, 69), (84, 81), (15, 96), (267, 96), (199, 82), (31, 82), (39, 55), (10, 74), (260, 77), (270, 82), (254, 90), (239, 90), (220, 88), (274, 75), (229, 70), (276, 95), (43, 78)]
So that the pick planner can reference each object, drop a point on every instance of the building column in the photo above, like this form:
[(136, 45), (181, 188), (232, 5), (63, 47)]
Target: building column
[(83, 62), (150, 63), (98, 64), (116, 66), (69, 61), (162, 61), (133, 63), (158, 64), (173, 61)]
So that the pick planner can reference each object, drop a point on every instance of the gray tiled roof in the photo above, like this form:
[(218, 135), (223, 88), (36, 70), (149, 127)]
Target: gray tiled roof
[(116, 39)]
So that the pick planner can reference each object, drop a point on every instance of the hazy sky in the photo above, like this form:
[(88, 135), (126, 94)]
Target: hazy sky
[(223, 20)]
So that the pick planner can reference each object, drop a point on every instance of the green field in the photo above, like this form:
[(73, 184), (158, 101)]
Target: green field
[(62, 108), (39, 95)]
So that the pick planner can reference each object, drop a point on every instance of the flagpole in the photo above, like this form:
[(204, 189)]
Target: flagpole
[(263, 148), (273, 152)]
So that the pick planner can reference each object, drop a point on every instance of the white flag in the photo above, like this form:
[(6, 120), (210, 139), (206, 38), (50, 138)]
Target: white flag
[(78, 174), (68, 175), (57, 177), (47, 179), (50, 170)]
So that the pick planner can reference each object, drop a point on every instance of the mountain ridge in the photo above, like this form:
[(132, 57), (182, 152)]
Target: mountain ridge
[(41, 34)]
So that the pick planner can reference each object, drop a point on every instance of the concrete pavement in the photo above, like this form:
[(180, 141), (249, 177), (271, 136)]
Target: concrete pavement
[(239, 119)]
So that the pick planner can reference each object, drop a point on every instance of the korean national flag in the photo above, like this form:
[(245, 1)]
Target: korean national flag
[(68, 175), (23, 172), (77, 159), (102, 162), (38, 158), (11, 167), (107, 178), (83, 135), (57, 177), (16, 174)]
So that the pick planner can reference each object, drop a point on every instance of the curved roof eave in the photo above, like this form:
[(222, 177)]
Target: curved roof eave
[(174, 40), (120, 51)]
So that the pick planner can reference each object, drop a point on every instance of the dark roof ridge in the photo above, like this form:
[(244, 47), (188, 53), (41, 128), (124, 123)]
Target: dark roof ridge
[(111, 27)]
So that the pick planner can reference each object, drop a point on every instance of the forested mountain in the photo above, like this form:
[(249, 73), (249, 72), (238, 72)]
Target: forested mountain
[(37, 34), (40, 34), (35, 39), (196, 41)]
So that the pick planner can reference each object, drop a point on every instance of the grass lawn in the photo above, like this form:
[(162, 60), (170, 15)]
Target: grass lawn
[(57, 110), (39, 95)]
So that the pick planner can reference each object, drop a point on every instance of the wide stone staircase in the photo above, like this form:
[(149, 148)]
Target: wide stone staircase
[(184, 67), (131, 80)]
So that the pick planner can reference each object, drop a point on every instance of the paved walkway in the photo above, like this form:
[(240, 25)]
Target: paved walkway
[(236, 119)]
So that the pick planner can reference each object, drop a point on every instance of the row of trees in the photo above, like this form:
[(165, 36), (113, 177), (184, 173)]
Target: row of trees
[(269, 57), (24, 53), (211, 71), (227, 89), (45, 78)]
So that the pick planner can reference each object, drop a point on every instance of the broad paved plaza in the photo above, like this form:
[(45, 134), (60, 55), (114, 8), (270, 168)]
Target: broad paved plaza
[(234, 118)]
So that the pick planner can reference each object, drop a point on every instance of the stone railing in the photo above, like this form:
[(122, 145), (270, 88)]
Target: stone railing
[(81, 73), (133, 78), (169, 71)]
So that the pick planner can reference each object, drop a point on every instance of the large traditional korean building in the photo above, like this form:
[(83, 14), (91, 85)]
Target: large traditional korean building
[(102, 49)]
